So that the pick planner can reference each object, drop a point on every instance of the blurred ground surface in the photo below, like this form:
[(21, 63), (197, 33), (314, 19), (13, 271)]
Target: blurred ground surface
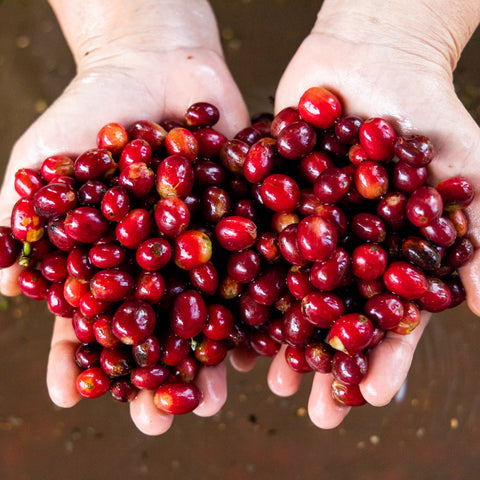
[(430, 431)]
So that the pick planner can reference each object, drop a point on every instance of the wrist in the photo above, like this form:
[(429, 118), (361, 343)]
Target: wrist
[(436, 31), (97, 30)]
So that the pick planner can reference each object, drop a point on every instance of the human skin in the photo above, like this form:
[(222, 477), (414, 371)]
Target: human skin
[(139, 60), (356, 48), (390, 59)]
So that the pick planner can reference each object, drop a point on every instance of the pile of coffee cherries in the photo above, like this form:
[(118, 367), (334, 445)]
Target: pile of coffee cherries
[(169, 244)]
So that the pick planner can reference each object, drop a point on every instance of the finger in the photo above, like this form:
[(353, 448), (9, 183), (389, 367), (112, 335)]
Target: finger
[(282, 380), (212, 382), (147, 417), (243, 358), (9, 280), (323, 410), (470, 276), (388, 364), (62, 370)]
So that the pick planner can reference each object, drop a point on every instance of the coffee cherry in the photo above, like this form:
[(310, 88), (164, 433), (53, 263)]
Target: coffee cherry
[(122, 390), (322, 309), (263, 344), (135, 151), (288, 245), (313, 165), (116, 361), (328, 275), (33, 285), (351, 333), (296, 140), (189, 314), (174, 177), (377, 137), (112, 137), (215, 204), (406, 178), (177, 398), (149, 377), (295, 358), (385, 310), (219, 323), (202, 114), (112, 285), (319, 107), (421, 253), (267, 247), (371, 179), (153, 133), (182, 142), (209, 174), (243, 266), (437, 296), (133, 322), (280, 193), (9, 247), (233, 155), (27, 225), (392, 210), (357, 154), (92, 383), (108, 255), (424, 206), (283, 118), (441, 232), (349, 369), (150, 287), (456, 193), (332, 185), (205, 278), (416, 150), (85, 224), (210, 141), (94, 164), (134, 228), (175, 348), (28, 181), (210, 352), (460, 253), (459, 221), (153, 254), (87, 355), (347, 395), (115, 204), (405, 280), (270, 285), (57, 166), (192, 249), (252, 312), (347, 129), (259, 161), (317, 238), (369, 227), (369, 261), (137, 179), (236, 233), (185, 371), (319, 357)]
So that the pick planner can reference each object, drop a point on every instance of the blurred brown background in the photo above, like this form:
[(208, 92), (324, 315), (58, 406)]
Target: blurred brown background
[(430, 431)]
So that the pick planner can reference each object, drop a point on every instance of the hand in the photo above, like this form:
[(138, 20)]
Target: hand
[(143, 72), (411, 86)]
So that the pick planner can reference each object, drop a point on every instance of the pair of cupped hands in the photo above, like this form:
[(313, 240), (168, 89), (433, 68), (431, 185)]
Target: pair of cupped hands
[(124, 81)]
